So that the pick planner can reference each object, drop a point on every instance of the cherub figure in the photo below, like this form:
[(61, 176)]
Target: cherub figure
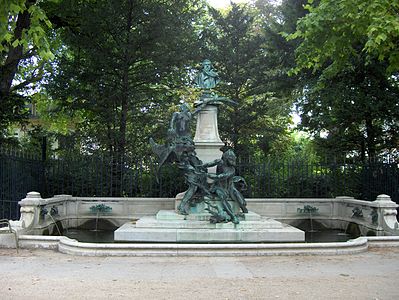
[(224, 185)]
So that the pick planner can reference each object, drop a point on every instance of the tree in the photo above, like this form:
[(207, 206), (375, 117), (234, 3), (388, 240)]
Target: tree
[(357, 109), (277, 22), (237, 44), (24, 47), (351, 48), (334, 33), (120, 74)]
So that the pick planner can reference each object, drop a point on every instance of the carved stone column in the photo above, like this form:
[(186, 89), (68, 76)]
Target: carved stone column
[(30, 209), (207, 140), (387, 213)]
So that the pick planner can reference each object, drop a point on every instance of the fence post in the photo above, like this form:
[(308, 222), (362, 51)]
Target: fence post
[(43, 166)]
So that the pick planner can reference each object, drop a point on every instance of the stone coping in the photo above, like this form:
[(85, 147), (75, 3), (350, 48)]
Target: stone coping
[(383, 241), (340, 199), (62, 198), (379, 215), (73, 247)]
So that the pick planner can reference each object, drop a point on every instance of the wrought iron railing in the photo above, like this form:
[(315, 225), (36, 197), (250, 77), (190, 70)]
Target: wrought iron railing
[(106, 176)]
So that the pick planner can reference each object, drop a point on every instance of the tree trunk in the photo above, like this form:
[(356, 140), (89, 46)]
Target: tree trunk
[(125, 85), (370, 138), (236, 133), (363, 150), (14, 56), (125, 91)]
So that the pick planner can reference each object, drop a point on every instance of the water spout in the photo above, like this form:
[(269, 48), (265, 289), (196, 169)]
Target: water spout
[(56, 225)]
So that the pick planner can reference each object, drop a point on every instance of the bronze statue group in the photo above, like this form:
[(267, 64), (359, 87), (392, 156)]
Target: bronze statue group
[(218, 191)]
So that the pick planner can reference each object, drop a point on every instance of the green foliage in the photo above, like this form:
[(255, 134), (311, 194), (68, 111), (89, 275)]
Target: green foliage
[(350, 101), (110, 86), (25, 46), (297, 145), (357, 111), (55, 118), (33, 36), (118, 78), (12, 109), (237, 44), (335, 32), (279, 53)]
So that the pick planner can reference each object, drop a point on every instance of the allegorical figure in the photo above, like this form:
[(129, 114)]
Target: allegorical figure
[(180, 122), (195, 177), (179, 148), (178, 139), (207, 78), (225, 181)]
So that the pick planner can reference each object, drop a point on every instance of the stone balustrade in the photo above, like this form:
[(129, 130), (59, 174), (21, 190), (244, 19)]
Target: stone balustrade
[(377, 217)]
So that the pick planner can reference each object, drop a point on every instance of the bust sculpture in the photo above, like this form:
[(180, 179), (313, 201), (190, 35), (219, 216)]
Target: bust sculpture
[(208, 78)]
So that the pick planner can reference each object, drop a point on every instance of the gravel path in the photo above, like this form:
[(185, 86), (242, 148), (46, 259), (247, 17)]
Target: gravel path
[(45, 274)]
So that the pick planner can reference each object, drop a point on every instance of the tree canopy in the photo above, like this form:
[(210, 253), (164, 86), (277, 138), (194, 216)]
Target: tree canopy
[(120, 71), (25, 46), (106, 75), (243, 42), (336, 32), (352, 49)]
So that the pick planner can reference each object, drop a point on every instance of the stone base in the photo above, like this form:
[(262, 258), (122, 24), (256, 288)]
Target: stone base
[(200, 207), (168, 226), (208, 151)]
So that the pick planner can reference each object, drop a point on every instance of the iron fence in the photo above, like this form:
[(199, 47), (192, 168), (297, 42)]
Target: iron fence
[(107, 176), (292, 179), (19, 173), (99, 176)]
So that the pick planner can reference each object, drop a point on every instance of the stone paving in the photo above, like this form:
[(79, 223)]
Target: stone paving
[(46, 274)]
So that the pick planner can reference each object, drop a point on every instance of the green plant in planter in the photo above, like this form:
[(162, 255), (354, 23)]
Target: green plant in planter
[(308, 209), (100, 209)]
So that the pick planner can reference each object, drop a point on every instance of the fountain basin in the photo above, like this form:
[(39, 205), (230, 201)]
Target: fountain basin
[(73, 247), (376, 218), (373, 217)]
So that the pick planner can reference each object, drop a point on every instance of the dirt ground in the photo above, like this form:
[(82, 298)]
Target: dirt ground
[(46, 274)]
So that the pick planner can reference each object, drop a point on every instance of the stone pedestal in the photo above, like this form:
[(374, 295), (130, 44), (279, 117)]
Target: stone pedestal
[(171, 227), (199, 208), (207, 140)]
